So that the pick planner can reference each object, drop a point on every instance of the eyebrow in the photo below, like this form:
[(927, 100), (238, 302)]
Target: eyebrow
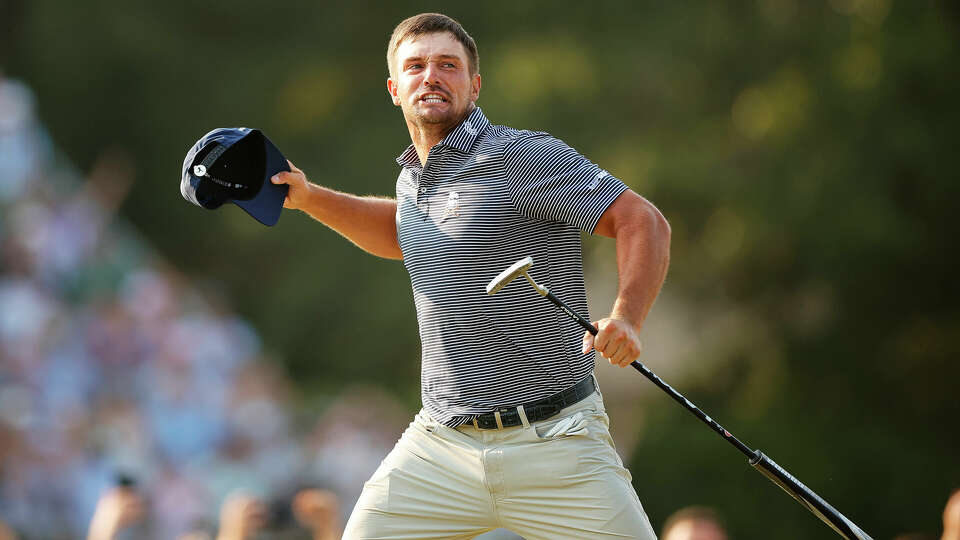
[(438, 56)]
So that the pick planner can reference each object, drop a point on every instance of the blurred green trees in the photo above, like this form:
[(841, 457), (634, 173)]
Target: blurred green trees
[(803, 153)]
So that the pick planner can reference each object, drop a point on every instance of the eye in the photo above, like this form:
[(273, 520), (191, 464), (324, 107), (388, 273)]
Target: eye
[(449, 65), (415, 66)]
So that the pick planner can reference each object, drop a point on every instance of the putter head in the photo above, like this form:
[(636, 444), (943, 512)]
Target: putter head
[(517, 269)]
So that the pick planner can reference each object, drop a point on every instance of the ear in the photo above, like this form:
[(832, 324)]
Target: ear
[(475, 88), (392, 90)]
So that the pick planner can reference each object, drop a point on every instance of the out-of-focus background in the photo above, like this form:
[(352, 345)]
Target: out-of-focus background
[(804, 153)]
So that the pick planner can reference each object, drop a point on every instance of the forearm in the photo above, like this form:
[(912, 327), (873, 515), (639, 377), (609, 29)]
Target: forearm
[(369, 222), (643, 255)]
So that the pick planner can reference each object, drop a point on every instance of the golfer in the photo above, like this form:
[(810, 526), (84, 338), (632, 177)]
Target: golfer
[(512, 432)]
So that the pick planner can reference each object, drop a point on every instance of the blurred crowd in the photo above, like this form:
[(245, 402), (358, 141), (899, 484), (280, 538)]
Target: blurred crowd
[(115, 373)]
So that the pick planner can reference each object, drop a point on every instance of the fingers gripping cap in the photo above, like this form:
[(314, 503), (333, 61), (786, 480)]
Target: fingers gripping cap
[(235, 165)]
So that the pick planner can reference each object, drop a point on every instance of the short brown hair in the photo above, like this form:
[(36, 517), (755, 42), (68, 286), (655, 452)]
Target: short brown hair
[(430, 23)]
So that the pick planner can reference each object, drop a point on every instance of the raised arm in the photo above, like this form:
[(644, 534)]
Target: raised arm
[(369, 222), (643, 254)]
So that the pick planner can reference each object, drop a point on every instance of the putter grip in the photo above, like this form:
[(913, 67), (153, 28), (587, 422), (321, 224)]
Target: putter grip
[(807, 498)]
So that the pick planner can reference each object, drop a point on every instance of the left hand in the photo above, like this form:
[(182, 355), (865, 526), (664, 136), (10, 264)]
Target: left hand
[(616, 340)]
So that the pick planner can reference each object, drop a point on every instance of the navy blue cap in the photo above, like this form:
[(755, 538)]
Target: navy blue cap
[(235, 165)]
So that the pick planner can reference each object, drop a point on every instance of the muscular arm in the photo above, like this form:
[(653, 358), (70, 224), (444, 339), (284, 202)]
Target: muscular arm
[(368, 222), (643, 255)]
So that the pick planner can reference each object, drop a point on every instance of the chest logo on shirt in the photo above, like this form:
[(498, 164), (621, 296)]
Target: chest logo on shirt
[(452, 209)]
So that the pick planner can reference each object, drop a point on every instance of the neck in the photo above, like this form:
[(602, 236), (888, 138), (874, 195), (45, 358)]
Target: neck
[(426, 136)]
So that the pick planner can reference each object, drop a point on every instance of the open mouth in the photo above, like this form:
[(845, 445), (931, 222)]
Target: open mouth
[(433, 98)]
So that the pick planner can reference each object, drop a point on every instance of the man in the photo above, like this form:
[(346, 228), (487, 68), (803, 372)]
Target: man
[(512, 432)]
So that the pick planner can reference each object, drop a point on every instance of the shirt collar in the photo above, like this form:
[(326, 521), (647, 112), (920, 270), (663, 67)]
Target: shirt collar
[(462, 138), (409, 157)]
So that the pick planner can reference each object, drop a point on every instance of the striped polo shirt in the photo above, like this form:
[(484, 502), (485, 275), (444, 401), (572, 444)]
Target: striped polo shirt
[(487, 197)]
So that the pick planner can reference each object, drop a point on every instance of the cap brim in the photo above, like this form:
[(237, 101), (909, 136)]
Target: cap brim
[(268, 203)]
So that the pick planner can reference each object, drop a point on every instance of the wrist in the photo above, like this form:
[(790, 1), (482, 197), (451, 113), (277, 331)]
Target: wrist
[(307, 199), (627, 320)]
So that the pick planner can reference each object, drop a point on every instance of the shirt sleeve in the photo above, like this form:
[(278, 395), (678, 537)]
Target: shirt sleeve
[(549, 180)]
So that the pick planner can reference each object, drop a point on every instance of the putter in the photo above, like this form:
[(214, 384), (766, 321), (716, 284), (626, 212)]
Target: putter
[(520, 268), (761, 462)]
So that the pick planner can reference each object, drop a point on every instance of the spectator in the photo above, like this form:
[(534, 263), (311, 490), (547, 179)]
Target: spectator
[(319, 511), (241, 517), (694, 523)]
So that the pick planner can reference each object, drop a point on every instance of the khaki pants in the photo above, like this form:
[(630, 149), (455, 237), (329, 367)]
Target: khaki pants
[(555, 479)]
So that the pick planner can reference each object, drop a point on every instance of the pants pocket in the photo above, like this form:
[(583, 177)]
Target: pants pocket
[(575, 424)]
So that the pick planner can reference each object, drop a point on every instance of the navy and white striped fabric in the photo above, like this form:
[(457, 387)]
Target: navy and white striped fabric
[(487, 197)]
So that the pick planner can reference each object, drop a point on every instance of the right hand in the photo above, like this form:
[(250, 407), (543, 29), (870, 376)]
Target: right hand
[(299, 186), (616, 340)]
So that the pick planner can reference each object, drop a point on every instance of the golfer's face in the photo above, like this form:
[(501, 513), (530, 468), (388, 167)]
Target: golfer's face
[(432, 81)]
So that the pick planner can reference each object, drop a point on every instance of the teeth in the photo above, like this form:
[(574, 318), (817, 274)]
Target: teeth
[(433, 99)]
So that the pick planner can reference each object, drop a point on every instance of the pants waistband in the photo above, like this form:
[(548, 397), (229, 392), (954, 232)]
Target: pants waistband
[(538, 410)]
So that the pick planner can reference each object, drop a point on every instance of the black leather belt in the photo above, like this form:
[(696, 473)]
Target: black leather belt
[(536, 410)]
